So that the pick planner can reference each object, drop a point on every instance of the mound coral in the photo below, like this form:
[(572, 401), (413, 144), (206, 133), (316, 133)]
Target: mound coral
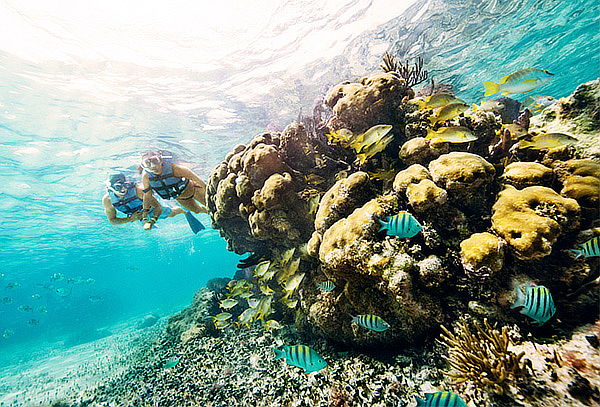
[(531, 219)]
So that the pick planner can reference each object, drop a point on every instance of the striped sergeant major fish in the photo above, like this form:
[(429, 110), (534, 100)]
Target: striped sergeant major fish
[(591, 248), (537, 303), (401, 225), (372, 322), (301, 356), (327, 286), (441, 399)]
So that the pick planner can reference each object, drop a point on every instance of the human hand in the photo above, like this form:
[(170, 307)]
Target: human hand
[(137, 216), (148, 225)]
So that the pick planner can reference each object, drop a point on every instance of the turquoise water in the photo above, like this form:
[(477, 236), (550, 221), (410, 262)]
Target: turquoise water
[(73, 109)]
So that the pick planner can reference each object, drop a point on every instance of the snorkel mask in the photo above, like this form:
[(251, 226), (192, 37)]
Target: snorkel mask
[(117, 184), (151, 160)]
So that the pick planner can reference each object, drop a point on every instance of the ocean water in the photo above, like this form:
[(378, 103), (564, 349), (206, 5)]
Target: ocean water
[(85, 89)]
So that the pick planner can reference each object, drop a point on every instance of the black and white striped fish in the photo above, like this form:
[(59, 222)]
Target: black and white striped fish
[(591, 248), (370, 321), (326, 286), (301, 356), (441, 399), (537, 303)]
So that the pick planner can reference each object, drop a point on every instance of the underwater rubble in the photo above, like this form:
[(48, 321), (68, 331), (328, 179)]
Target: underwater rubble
[(498, 222)]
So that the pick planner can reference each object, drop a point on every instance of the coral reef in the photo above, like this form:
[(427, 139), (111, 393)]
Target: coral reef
[(482, 254)]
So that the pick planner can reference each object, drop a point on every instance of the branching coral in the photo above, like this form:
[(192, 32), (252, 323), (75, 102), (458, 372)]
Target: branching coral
[(481, 355), (412, 74)]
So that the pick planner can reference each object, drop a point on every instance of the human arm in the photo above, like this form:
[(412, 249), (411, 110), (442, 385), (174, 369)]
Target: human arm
[(111, 213)]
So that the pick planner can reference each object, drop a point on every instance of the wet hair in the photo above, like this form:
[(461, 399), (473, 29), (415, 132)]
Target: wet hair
[(120, 177)]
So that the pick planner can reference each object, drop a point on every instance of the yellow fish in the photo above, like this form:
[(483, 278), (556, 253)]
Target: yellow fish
[(454, 134), (293, 282), (221, 324), (246, 317), (313, 204), (314, 179), (266, 290), (264, 308), (435, 101), (382, 175), (373, 149), (287, 255), (223, 316), (448, 112), (342, 136), (549, 140), (252, 302), (261, 269), (521, 81), (228, 303), (370, 137), (289, 270), (288, 302), (488, 106), (271, 324)]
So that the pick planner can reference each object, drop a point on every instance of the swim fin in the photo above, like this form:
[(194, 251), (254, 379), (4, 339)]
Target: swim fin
[(194, 223)]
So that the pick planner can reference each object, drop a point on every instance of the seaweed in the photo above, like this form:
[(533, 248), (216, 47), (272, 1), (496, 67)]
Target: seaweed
[(412, 74), (481, 356)]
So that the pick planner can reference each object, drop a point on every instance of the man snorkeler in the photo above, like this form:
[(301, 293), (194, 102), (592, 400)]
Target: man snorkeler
[(170, 181), (126, 196)]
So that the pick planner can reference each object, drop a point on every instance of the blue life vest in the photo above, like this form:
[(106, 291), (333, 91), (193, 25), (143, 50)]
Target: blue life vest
[(165, 184), (128, 203)]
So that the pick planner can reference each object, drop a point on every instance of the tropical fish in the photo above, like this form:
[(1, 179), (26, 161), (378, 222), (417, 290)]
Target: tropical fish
[(521, 81), (223, 316), (288, 302), (326, 286), (266, 290), (228, 303), (370, 137), (171, 362), (287, 255), (221, 324), (246, 294), (402, 225), (536, 104), (95, 298), (271, 324), (246, 317), (2, 275), (382, 175), (537, 303), (441, 399), (7, 333), (7, 300), (314, 179), (591, 248), (454, 134), (264, 308), (342, 136), (36, 296), (373, 149), (57, 276), (252, 302), (448, 112), (313, 205), (488, 106), (547, 140), (42, 309), (13, 285), (33, 322), (435, 101), (293, 282), (25, 308), (63, 292), (372, 322), (288, 271), (516, 131), (301, 356)]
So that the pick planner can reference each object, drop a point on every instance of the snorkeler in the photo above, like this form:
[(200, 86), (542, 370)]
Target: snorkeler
[(170, 181), (126, 197)]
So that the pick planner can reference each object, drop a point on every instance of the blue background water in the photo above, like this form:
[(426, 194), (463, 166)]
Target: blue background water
[(83, 93)]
